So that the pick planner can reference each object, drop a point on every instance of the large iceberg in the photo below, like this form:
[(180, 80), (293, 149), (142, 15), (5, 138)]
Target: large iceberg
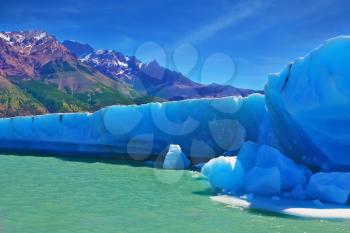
[(308, 121), (203, 128), (309, 106)]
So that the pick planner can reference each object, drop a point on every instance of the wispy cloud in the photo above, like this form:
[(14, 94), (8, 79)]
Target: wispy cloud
[(236, 14)]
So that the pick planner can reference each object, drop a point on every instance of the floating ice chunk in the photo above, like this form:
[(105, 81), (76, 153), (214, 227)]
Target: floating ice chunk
[(330, 187), (265, 170), (175, 159), (224, 173), (291, 174), (266, 181), (247, 155)]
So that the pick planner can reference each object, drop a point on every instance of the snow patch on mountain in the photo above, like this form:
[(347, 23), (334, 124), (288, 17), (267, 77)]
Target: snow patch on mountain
[(4, 36)]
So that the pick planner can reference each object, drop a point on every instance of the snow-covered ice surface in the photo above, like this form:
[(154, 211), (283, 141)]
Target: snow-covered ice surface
[(292, 207)]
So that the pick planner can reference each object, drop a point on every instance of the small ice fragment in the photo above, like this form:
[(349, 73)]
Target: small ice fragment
[(175, 159)]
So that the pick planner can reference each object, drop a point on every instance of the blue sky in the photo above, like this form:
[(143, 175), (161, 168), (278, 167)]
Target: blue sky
[(238, 42)]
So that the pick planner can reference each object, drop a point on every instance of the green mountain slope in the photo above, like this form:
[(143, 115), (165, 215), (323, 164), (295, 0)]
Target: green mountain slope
[(53, 99), (15, 102), (64, 87)]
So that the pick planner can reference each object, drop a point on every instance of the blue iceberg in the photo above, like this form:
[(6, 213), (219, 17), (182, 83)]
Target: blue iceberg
[(260, 169), (291, 174), (224, 173), (265, 181), (247, 155), (309, 106), (330, 187), (306, 128), (203, 128), (175, 159)]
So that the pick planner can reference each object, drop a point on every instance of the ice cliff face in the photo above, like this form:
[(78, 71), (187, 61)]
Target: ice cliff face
[(202, 128), (309, 106)]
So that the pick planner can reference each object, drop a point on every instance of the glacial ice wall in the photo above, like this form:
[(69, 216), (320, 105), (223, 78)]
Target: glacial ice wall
[(203, 128), (309, 104)]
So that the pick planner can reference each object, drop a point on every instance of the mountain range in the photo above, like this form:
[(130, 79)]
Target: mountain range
[(39, 74)]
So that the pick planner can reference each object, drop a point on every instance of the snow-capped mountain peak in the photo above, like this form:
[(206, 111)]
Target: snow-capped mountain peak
[(23, 38), (24, 52), (149, 78), (111, 63), (4, 36)]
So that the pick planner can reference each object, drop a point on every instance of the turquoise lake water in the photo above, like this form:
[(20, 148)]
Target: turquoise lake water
[(45, 194)]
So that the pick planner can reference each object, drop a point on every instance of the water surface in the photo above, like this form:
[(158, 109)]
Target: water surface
[(49, 195)]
